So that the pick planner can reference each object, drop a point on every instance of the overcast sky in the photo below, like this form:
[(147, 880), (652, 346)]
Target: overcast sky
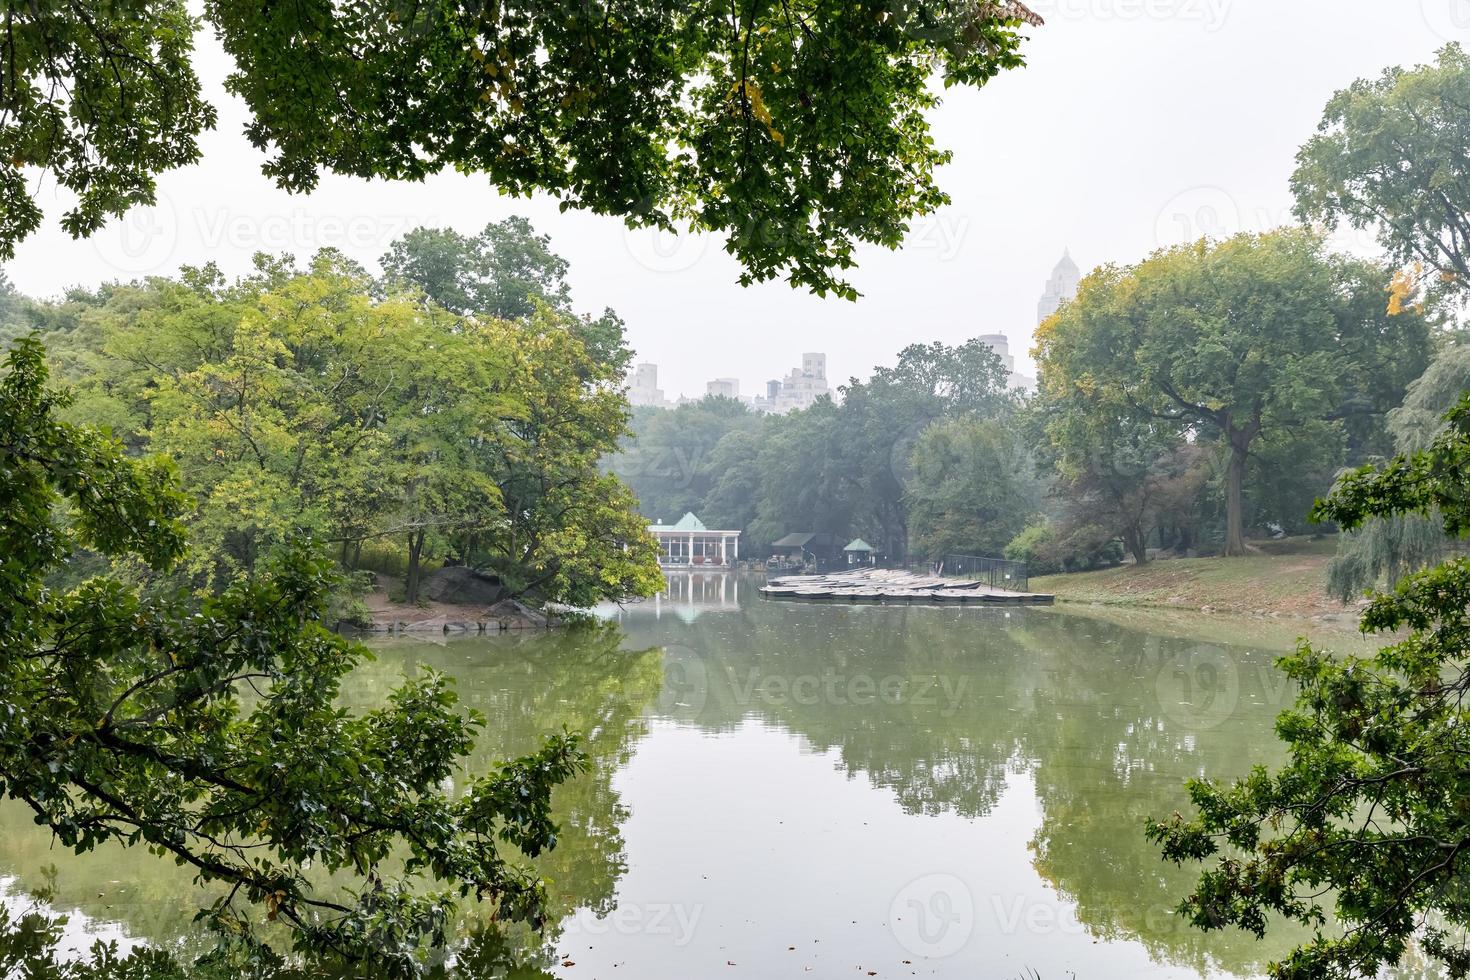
[(1136, 123)]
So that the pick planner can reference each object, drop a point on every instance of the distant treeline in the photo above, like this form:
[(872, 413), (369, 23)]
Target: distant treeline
[(1211, 392)]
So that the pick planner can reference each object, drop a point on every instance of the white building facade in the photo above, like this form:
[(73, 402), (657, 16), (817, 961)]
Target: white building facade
[(801, 388), (643, 389)]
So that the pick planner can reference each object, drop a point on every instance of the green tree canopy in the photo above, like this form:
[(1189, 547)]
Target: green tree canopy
[(972, 489), (296, 399), (796, 128), (502, 272), (1389, 155), (211, 733), (1236, 340)]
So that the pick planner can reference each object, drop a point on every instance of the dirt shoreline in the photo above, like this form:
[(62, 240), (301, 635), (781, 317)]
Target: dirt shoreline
[(387, 616)]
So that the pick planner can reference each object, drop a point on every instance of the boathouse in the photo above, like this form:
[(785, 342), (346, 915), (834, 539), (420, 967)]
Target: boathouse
[(804, 546), (859, 552), (690, 544)]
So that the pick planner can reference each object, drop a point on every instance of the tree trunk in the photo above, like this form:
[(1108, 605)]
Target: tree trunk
[(1235, 497), (411, 578), (1136, 541)]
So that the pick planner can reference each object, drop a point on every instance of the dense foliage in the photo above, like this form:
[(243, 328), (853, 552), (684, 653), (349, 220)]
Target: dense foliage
[(923, 457), (297, 400), (1369, 814), (1383, 549), (182, 725), (1389, 156), (1234, 343), (797, 129)]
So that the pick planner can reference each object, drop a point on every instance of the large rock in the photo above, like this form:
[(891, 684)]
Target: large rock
[(513, 614), (463, 586)]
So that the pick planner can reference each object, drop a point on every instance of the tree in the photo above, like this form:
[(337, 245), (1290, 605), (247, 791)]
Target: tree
[(503, 272), (1389, 155), (297, 400), (970, 494), (1115, 469), (1242, 338), (1371, 808), (882, 419), (797, 129), (571, 534), (1384, 549), (668, 461), (162, 722)]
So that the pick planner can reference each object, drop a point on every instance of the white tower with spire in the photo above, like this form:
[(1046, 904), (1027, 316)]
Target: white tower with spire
[(1061, 287)]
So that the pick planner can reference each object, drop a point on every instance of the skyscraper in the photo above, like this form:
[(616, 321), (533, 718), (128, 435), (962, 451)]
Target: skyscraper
[(1060, 288)]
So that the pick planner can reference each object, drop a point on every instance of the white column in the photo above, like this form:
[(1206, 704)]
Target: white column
[(737, 547), (723, 538), (691, 549)]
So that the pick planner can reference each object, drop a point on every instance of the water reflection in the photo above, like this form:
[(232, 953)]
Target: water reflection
[(785, 788)]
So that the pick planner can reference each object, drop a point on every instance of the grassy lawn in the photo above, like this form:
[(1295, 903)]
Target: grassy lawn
[(1283, 578)]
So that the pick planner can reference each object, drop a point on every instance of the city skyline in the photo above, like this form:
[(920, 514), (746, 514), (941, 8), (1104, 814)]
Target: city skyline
[(644, 388)]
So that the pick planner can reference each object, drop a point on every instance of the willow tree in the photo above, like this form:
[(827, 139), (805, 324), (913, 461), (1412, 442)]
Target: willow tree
[(1384, 549), (796, 128), (1235, 340)]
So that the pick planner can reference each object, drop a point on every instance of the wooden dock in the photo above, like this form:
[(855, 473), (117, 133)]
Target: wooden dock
[(894, 585)]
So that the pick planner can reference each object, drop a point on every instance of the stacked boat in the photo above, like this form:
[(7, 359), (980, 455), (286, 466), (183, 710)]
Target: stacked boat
[(894, 585)]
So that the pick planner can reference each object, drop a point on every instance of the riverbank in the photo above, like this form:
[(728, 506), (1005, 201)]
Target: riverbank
[(1283, 579), (432, 616)]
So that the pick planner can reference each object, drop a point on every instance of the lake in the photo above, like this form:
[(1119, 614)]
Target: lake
[(784, 789)]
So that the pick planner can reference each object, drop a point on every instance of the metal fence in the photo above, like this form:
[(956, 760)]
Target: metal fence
[(998, 573)]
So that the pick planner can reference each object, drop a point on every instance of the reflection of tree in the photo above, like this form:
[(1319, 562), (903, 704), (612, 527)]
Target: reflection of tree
[(923, 702), (527, 689), (1109, 719), (1125, 719)]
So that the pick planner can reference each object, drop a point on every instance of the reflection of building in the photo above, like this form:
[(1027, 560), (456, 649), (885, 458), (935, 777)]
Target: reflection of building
[(688, 594), (799, 389), (722, 388), (999, 343), (690, 543), (1061, 287), (644, 389)]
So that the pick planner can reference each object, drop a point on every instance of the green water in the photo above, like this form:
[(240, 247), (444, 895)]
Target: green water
[(907, 790)]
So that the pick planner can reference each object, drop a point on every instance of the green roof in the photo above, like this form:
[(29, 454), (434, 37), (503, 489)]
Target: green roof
[(858, 544), (690, 523)]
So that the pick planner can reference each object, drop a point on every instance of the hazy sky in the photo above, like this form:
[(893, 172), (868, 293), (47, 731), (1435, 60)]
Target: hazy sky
[(1136, 123)]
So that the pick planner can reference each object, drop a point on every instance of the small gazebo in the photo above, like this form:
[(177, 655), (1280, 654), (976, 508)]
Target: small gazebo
[(858, 552)]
